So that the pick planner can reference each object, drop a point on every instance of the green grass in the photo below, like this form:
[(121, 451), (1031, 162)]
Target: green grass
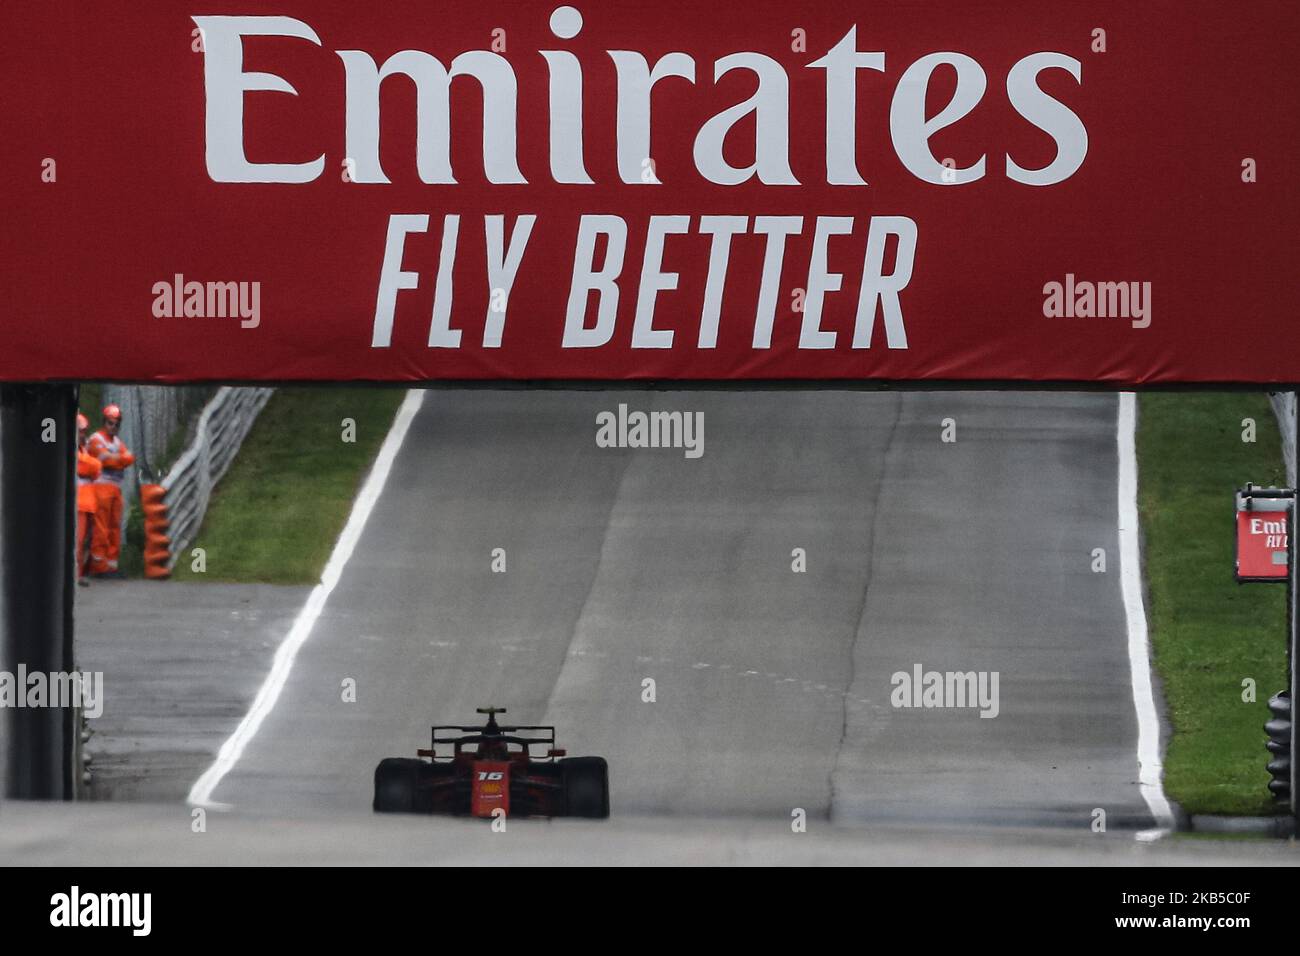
[(276, 514), (88, 402), (1208, 632)]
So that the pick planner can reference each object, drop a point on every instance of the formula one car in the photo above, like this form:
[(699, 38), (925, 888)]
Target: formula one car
[(491, 768)]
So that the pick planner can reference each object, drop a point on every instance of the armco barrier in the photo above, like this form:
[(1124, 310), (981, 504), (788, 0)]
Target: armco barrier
[(187, 488), (152, 418)]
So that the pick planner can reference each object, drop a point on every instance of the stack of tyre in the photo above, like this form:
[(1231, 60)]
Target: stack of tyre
[(1279, 746)]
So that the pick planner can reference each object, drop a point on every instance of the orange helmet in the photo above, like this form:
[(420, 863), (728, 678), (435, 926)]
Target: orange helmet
[(112, 412), (82, 422)]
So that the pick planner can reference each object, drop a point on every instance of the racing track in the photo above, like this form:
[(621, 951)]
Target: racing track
[(772, 687)]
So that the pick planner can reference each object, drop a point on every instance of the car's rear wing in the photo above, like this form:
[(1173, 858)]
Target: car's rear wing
[(458, 736)]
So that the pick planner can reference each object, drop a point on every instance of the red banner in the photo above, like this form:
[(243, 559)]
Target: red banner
[(1262, 530), (1011, 191)]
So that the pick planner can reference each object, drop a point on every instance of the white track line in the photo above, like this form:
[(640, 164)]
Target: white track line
[(1150, 766), (201, 793)]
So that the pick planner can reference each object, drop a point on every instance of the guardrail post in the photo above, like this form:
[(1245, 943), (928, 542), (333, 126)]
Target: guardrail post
[(38, 434), (1293, 584)]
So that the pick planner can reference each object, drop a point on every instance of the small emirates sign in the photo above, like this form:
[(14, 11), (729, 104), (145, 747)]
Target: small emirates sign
[(1261, 540)]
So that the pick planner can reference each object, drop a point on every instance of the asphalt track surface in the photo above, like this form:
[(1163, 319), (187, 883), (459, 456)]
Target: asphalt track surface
[(52, 834), (772, 688)]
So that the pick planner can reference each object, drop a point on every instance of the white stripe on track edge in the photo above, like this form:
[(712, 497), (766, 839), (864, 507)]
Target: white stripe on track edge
[(1150, 764), (201, 793)]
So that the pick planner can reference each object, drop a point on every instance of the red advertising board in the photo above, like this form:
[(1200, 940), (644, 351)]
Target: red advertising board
[(945, 191), (1262, 542)]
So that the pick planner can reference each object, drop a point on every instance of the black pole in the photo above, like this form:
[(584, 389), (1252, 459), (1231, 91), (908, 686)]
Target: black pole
[(38, 437), (1292, 608)]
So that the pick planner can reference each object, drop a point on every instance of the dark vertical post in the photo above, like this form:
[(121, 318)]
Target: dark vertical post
[(1292, 609), (38, 435)]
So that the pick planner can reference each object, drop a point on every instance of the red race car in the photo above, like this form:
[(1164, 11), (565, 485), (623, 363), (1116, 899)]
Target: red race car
[(492, 768)]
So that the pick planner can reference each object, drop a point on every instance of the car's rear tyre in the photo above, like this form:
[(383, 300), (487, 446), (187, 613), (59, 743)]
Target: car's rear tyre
[(397, 782), (586, 786)]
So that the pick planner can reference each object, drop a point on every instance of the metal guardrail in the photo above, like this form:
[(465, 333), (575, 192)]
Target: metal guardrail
[(220, 431), (152, 417)]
